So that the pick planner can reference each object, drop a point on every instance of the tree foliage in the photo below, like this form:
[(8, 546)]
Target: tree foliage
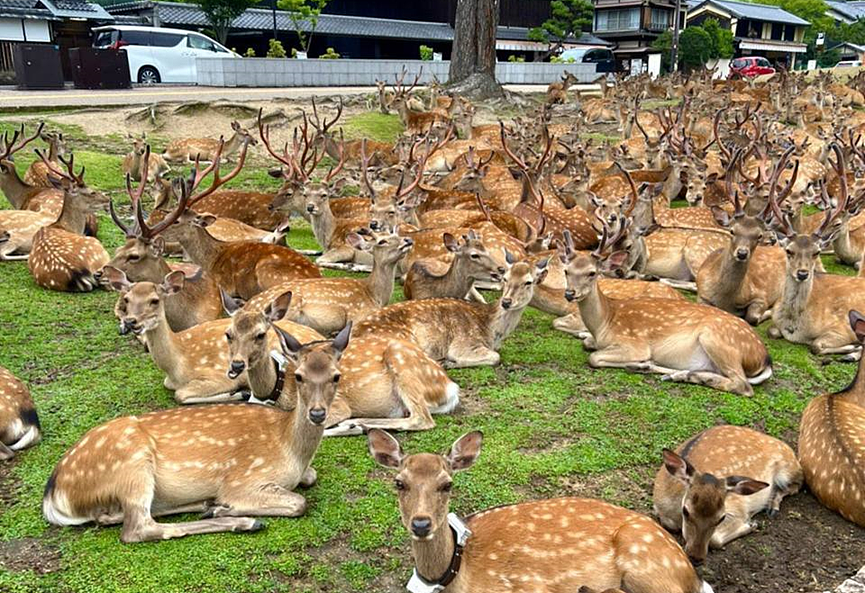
[(302, 12), (570, 18), (221, 13), (721, 39), (697, 44)]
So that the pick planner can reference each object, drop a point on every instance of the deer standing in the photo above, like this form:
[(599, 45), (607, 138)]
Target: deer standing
[(202, 459), (564, 544), (712, 485), (831, 450), (19, 422), (209, 149)]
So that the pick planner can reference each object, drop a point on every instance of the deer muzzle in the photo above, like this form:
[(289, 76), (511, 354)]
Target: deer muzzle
[(235, 368), (317, 415)]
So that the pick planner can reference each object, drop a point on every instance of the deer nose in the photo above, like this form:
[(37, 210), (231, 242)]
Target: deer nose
[(310, 208), (317, 415), (506, 303), (501, 270), (695, 560), (421, 526), (373, 224), (128, 325), (741, 254), (570, 295), (802, 275), (235, 368)]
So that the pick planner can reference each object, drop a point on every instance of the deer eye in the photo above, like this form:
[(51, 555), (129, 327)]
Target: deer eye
[(298, 377), (475, 256), (399, 484), (592, 274), (132, 258), (336, 378), (260, 336), (686, 513), (529, 283), (228, 336), (154, 302), (720, 520), (382, 242), (446, 487)]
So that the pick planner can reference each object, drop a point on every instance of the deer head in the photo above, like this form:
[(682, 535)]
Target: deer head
[(520, 282), (387, 248), (247, 335), (141, 306), (473, 254)]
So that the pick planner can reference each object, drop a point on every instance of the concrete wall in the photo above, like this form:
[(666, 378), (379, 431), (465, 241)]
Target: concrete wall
[(280, 72)]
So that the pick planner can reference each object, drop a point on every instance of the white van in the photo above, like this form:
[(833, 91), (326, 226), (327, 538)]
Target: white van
[(160, 55)]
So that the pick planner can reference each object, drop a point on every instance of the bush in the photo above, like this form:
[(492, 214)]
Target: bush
[(330, 54), (561, 60), (513, 58), (275, 49), (695, 46), (426, 53), (250, 53)]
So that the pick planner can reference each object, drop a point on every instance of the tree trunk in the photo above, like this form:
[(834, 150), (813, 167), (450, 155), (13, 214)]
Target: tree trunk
[(473, 56)]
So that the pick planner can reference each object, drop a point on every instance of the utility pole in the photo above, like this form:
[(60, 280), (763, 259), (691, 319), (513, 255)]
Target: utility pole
[(273, 7), (674, 49)]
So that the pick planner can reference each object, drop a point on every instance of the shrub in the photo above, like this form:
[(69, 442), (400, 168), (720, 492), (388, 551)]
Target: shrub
[(513, 58), (426, 53), (330, 54), (275, 49), (250, 53), (561, 60)]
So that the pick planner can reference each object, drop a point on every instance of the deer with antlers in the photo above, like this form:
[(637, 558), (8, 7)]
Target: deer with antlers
[(209, 149), (61, 258), (19, 422), (830, 446), (681, 340), (715, 482), (139, 163), (570, 542), (202, 459), (37, 173)]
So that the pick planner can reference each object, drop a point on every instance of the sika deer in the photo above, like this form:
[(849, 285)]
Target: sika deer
[(209, 149), (684, 341), (19, 422), (38, 171), (140, 163), (701, 490), (48, 201), (329, 304), (557, 92), (830, 445), (203, 459), (433, 278), (543, 546)]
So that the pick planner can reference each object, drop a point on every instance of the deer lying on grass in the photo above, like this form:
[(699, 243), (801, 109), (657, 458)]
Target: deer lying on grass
[(568, 542), (683, 341), (429, 279), (328, 304), (459, 333), (557, 92), (61, 258), (830, 446), (38, 171), (47, 201), (702, 490), (202, 459), (140, 163), (19, 422), (209, 149)]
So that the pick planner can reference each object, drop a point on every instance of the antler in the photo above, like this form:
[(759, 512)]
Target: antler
[(264, 134), (840, 167), (364, 165), (218, 180), (134, 198), (322, 127), (634, 193), (10, 148), (334, 171)]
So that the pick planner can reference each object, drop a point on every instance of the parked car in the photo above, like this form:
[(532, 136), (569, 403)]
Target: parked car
[(849, 64), (160, 55), (751, 66), (601, 56)]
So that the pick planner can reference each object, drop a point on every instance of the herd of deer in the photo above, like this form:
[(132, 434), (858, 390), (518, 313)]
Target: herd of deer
[(575, 228)]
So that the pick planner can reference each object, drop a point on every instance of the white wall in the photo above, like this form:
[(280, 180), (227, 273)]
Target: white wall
[(12, 30), (37, 31)]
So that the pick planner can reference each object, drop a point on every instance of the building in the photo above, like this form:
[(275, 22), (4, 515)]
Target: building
[(384, 29), (845, 13), (849, 52), (758, 29), (633, 25)]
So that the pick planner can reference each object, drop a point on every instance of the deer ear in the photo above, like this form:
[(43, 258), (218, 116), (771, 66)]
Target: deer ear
[(116, 279), (509, 258), (465, 451), (744, 486), (384, 448), (157, 246), (275, 173), (356, 241), (721, 216), (451, 243), (340, 342), (229, 304), (204, 220), (678, 467), (173, 282), (616, 260), (277, 308), (288, 343), (857, 323)]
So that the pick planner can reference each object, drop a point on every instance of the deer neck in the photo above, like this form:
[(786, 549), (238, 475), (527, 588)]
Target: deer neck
[(855, 394), (201, 247), (433, 557), (135, 165), (727, 283), (231, 145), (330, 147), (301, 437), (14, 188), (379, 283), (794, 301), (456, 280), (323, 226), (163, 347), (843, 247), (595, 310), (73, 215), (502, 322), (262, 377)]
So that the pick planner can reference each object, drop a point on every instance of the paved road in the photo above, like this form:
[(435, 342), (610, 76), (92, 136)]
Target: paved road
[(12, 98)]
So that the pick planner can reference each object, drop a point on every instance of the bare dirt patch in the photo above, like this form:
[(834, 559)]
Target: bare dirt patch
[(29, 554)]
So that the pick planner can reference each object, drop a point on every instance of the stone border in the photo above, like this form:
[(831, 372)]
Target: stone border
[(281, 72), (855, 584)]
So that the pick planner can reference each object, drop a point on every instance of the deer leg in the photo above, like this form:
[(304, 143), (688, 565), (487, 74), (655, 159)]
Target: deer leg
[(205, 392), (339, 412), (10, 257), (139, 526), (730, 376), (474, 295), (115, 517), (461, 355), (309, 477), (336, 255), (729, 530), (269, 500), (833, 344), (619, 356), (757, 313), (5, 452), (572, 324)]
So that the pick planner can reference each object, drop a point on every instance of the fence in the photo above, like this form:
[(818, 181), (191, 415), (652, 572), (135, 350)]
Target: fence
[(281, 72)]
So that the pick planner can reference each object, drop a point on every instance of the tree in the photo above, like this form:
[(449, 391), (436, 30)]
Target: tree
[(694, 47), (221, 13), (664, 43), (473, 56), (722, 39), (569, 19), (304, 12)]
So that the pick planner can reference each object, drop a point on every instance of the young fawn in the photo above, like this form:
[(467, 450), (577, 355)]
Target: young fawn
[(61, 258), (209, 149), (683, 341), (831, 448), (19, 422), (203, 459), (432, 278), (328, 304), (702, 490), (459, 333), (546, 545)]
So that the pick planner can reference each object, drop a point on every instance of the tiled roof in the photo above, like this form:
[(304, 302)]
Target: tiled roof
[(852, 10), (757, 12), (53, 9)]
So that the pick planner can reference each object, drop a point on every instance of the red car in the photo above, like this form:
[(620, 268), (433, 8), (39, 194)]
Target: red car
[(751, 66)]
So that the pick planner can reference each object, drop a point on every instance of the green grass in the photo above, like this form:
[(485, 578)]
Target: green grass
[(550, 422)]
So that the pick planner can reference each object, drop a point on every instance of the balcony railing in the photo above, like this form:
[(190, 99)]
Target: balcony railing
[(658, 27)]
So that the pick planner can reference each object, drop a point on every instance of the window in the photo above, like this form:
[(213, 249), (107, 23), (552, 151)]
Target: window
[(135, 37), (166, 39), (196, 42), (660, 19), (597, 55), (763, 63), (103, 38), (739, 63), (777, 31), (627, 19), (789, 33)]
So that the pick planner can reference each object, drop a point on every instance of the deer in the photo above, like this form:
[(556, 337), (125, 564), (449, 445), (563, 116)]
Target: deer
[(384, 98), (571, 542), (19, 422), (808, 310), (830, 447), (428, 279), (140, 159), (61, 258), (208, 149), (382, 153), (328, 304), (683, 341), (203, 459), (459, 333), (37, 172), (715, 482), (557, 92)]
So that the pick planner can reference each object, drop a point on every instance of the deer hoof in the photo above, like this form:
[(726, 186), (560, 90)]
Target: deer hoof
[(244, 395), (772, 513), (677, 376), (217, 510)]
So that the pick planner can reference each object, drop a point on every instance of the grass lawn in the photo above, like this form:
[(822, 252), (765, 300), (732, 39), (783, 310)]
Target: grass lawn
[(552, 427)]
